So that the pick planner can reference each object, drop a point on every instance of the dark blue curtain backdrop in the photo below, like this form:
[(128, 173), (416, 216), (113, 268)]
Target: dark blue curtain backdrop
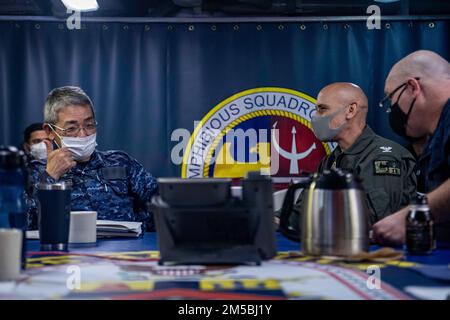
[(147, 79)]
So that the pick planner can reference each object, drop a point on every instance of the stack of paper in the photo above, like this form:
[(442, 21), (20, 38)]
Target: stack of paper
[(109, 228)]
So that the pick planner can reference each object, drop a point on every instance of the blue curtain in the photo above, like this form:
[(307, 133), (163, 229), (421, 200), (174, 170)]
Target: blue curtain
[(148, 79)]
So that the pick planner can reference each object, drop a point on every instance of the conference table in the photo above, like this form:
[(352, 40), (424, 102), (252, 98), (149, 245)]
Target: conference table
[(128, 269)]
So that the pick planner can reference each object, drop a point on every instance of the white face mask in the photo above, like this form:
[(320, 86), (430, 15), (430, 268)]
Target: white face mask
[(80, 147), (39, 150)]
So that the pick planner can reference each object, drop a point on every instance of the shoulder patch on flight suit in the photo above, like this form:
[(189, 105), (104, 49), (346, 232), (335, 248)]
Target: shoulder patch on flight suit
[(387, 167), (114, 173)]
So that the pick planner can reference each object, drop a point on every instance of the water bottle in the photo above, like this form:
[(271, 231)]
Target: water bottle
[(13, 181), (420, 235)]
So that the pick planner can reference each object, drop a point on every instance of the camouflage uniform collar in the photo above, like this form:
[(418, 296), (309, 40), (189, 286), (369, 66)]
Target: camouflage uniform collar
[(97, 160), (361, 143), (94, 163)]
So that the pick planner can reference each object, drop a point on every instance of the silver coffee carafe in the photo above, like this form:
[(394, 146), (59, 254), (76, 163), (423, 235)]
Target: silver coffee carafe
[(334, 217)]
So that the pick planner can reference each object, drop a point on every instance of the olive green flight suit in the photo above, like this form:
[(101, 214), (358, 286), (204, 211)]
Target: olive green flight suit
[(386, 170)]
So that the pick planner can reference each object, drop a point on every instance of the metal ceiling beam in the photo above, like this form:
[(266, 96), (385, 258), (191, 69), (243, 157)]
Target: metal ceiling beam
[(226, 19)]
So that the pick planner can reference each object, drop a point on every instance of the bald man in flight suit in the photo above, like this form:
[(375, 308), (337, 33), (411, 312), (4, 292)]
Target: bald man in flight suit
[(386, 168)]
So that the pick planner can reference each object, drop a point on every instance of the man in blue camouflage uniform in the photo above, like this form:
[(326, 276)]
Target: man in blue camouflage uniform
[(109, 182)]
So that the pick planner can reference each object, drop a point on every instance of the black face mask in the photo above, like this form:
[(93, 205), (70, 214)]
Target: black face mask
[(398, 120)]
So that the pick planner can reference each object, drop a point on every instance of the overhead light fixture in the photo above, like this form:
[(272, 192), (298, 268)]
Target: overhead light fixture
[(188, 3), (81, 5), (386, 1)]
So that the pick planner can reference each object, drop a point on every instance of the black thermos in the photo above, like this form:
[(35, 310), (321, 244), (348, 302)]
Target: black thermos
[(54, 215)]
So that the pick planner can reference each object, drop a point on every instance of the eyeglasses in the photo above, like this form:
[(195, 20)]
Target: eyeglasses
[(386, 101), (73, 131)]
